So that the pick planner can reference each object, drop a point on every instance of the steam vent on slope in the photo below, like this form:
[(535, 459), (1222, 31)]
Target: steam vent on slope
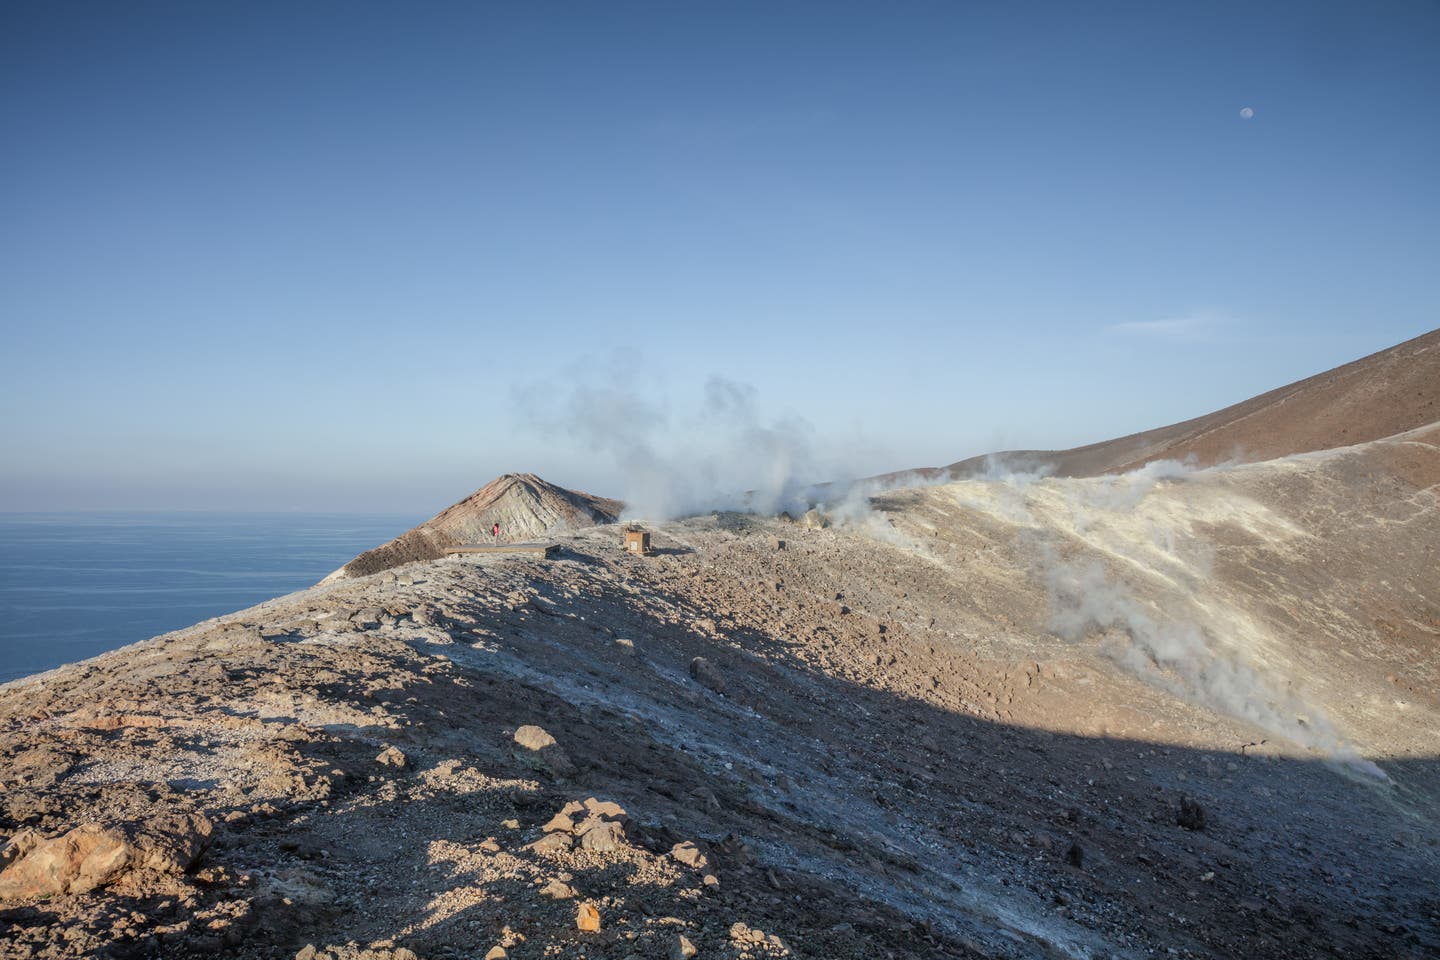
[(1177, 711)]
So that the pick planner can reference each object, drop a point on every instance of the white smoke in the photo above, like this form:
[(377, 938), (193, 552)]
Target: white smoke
[(1002, 488), (852, 504), (721, 454), (1194, 648), (1123, 492), (1175, 654)]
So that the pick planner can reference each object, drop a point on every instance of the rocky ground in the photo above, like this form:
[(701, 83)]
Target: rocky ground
[(1001, 718)]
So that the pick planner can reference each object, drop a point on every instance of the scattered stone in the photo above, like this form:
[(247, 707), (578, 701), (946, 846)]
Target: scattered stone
[(92, 855), (366, 619), (681, 948), (534, 738), (608, 809), (689, 854), (605, 836), (41, 767), (1191, 815), (733, 850), (172, 844), (625, 646), (776, 543), (1075, 854), (392, 757), (79, 861), (347, 951), (560, 823), (587, 917), (496, 953), (553, 843), (743, 935), (558, 890), (705, 674), (18, 846), (538, 748)]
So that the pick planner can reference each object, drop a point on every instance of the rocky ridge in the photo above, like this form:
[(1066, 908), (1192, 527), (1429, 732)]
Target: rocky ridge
[(1384, 394)]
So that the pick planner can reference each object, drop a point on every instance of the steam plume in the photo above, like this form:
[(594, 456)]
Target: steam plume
[(1186, 651), (723, 455)]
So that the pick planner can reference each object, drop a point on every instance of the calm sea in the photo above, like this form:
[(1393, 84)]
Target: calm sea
[(73, 585)]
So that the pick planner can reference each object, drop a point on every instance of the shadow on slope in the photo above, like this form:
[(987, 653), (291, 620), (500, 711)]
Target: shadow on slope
[(847, 819)]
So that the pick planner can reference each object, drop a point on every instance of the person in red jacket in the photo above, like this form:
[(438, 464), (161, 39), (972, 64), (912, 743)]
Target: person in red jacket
[(495, 531)]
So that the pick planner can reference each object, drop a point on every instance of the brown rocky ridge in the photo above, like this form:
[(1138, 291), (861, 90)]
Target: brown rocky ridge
[(1378, 396)]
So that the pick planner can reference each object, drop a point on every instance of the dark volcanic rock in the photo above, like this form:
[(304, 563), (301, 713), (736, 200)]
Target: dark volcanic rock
[(1191, 814)]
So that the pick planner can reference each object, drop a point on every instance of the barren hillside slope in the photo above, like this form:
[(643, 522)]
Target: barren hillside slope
[(1377, 396)]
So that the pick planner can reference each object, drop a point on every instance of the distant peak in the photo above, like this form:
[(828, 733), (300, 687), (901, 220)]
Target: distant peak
[(513, 478), (512, 507)]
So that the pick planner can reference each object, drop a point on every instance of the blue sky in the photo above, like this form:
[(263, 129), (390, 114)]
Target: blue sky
[(322, 256)]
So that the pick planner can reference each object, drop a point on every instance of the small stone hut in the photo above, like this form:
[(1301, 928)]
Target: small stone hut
[(637, 541)]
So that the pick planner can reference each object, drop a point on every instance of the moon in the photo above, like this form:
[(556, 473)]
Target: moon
[(1246, 113)]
